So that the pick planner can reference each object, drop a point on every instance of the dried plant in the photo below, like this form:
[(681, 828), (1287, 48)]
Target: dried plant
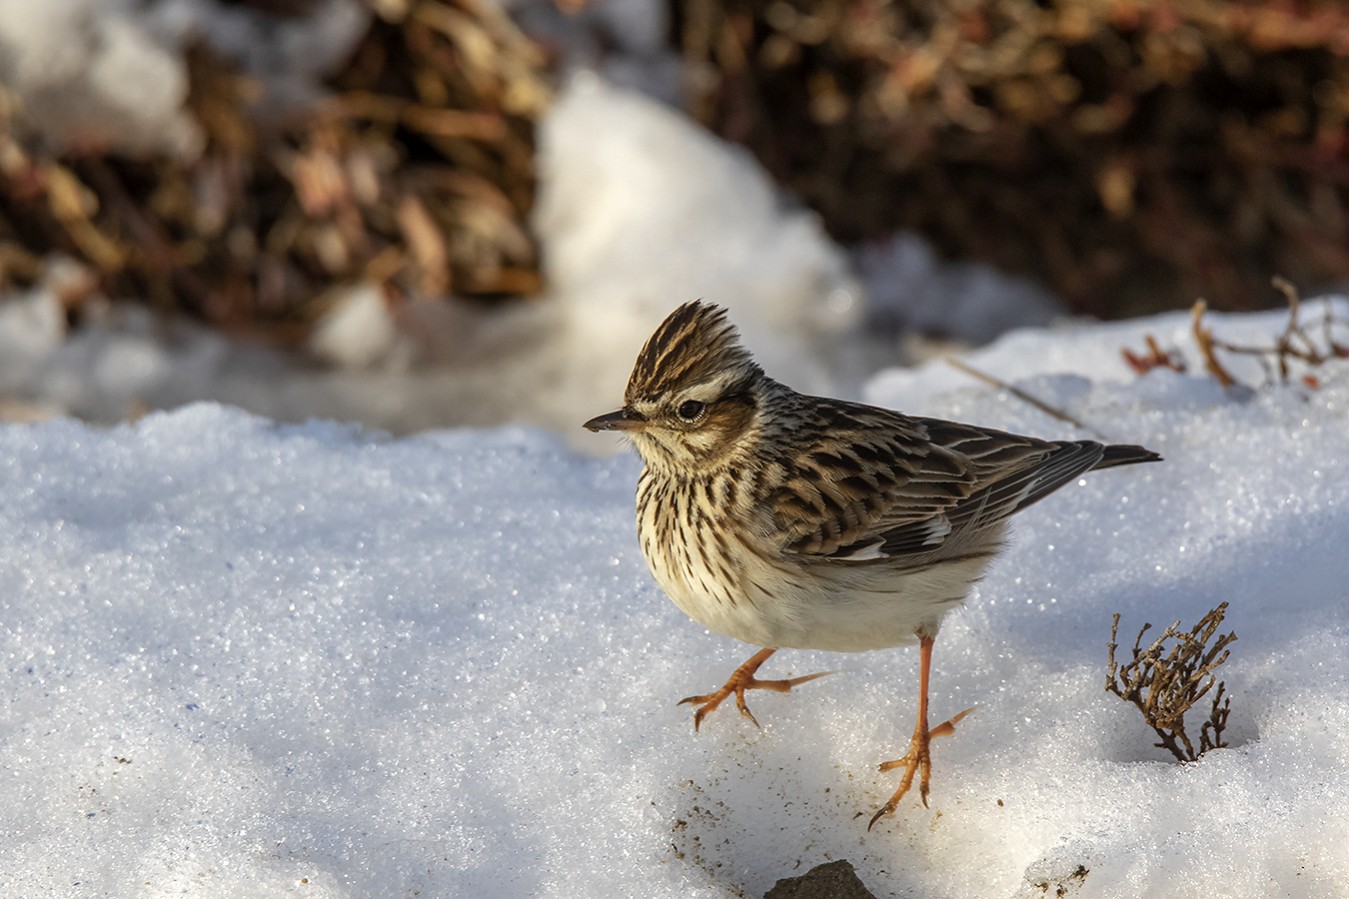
[(1167, 677), (1297, 348), (1295, 345), (1153, 357)]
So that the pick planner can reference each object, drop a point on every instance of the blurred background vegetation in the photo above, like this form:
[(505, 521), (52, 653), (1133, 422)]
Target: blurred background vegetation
[(1130, 155)]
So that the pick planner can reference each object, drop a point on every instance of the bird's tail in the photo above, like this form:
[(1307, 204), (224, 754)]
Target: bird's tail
[(1126, 454)]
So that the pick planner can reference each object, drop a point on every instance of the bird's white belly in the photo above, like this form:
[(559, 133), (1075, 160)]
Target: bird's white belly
[(834, 606)]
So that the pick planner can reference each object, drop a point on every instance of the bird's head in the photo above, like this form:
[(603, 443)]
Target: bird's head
[(694, 393)]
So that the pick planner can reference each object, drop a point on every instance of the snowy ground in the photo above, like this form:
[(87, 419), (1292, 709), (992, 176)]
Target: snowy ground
[(247, 660)]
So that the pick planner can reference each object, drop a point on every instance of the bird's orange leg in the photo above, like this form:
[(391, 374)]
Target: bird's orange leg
[(741, 680), (919, 757)]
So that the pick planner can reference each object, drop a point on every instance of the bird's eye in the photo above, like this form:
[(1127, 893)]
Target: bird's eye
[(691, 410)]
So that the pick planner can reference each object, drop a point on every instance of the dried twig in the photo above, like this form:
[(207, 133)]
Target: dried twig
[(1022, 395), (1155, 357), (1163, 682), (1295, 345), (1203, 338)]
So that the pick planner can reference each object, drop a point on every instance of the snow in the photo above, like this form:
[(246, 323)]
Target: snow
[(252, 659), (659, 203), (112, 74), (968, 301), (88, 76)]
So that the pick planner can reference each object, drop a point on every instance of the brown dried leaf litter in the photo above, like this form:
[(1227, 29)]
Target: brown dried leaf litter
[(1132, 154), (417, 173)]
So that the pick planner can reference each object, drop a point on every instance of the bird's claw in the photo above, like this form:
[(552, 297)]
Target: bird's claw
[(738, 683), (918, 760)]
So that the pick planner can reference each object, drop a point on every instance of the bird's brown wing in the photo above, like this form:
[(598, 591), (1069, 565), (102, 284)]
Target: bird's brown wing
[(895, 486)]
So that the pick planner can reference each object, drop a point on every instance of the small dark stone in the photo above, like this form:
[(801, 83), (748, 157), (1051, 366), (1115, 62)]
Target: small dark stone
[(834, 880)]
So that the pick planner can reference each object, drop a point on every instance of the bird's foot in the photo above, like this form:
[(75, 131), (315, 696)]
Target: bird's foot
[(743, 679), (918, 760)]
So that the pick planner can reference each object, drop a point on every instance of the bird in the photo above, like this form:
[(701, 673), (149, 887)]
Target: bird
[(792, 521)]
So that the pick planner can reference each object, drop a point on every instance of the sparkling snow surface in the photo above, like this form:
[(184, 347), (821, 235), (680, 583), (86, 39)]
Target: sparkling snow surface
[(251, 660)]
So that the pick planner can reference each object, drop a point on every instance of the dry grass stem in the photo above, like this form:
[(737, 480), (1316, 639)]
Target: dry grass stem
[(1023, 396), (1203, 339)]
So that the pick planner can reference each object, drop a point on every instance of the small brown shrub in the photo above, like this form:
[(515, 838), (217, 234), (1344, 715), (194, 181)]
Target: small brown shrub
[(1168, 676)]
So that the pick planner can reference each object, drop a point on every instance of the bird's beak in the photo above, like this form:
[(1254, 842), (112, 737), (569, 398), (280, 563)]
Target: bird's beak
[(622, 420)]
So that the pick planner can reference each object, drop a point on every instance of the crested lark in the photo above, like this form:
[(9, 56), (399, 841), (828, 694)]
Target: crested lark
[(786, 520)]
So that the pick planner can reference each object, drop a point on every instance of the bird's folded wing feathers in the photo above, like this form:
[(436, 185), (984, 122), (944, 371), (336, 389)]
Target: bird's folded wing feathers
[(841, 497), (919, 497)]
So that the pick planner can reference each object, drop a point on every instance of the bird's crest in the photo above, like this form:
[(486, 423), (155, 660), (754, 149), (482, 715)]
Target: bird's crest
[(695, 343)]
